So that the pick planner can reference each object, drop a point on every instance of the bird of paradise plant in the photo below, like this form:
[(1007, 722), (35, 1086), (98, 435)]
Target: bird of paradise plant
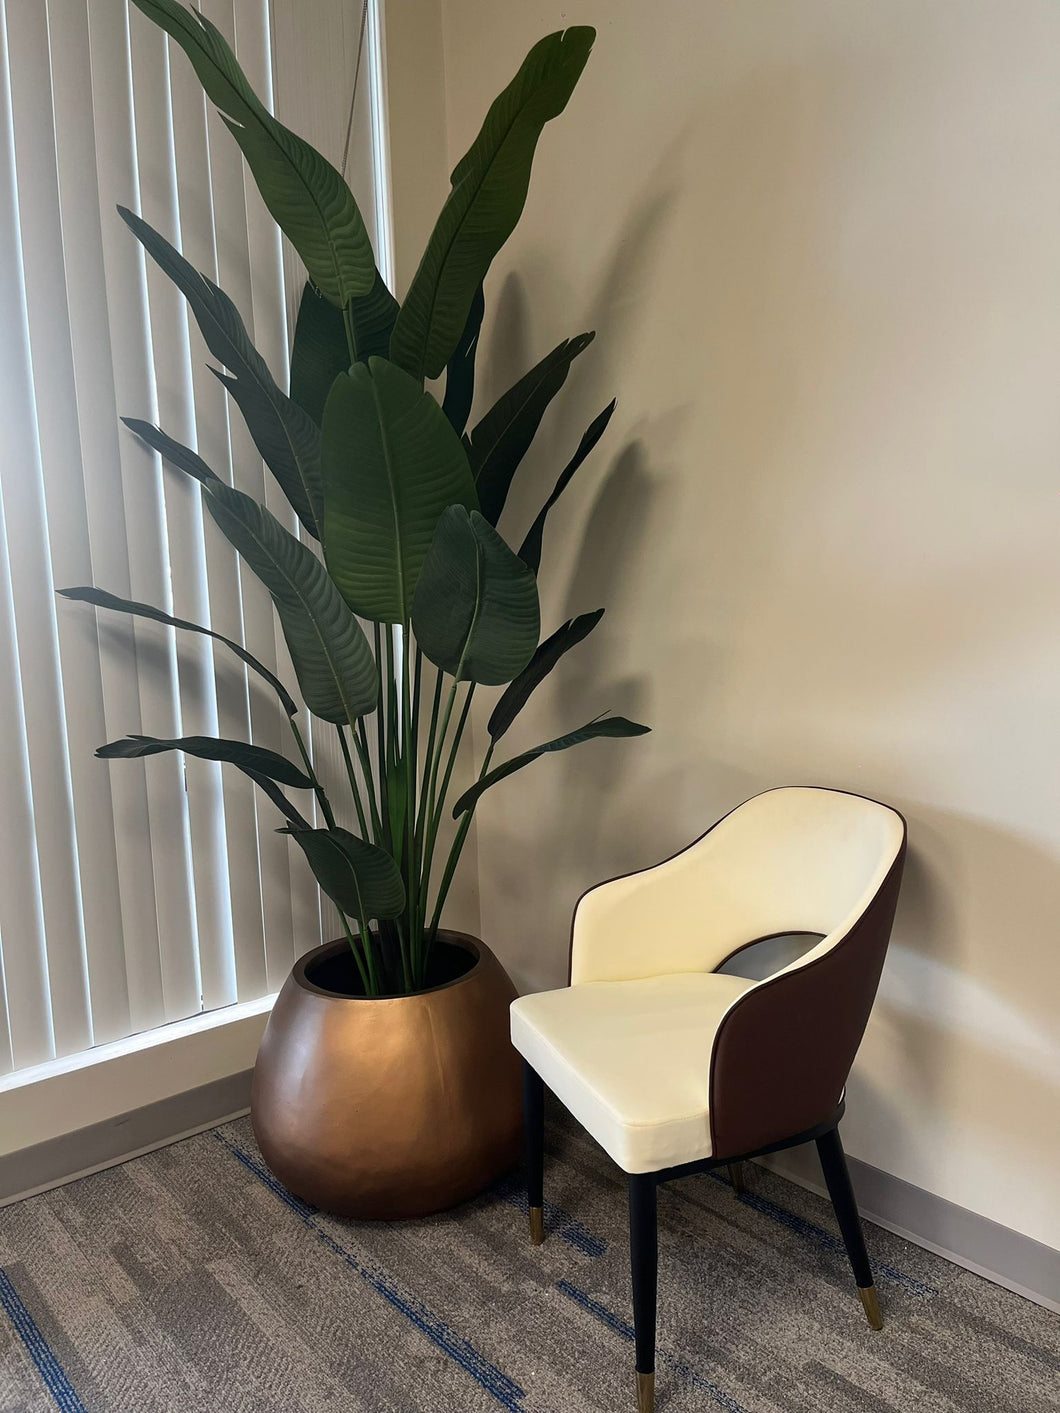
[(398, 504)]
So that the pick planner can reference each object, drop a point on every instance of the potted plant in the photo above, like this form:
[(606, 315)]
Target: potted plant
[(385, 1084)]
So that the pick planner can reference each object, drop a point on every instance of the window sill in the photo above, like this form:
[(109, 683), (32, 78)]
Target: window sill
[(60, 1097)]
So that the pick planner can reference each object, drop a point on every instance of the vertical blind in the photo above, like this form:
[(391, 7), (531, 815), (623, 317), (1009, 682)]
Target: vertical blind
[(136, 893)]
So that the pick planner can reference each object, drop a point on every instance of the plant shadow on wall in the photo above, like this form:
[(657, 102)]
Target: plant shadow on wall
[(621, 508), (401, 500)]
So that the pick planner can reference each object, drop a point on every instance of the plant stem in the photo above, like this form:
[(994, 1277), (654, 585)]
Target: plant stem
[(318, 789), (449, 703), (438, 795), (364, 755), (417, 684), (381, 736), (403, 952), (354, 788), (415, 836), (428, 757), (393, 742), (366, 943), (454, 748), (454, 857), (347, 322), (367, 977), (368, 989), (408, 751)]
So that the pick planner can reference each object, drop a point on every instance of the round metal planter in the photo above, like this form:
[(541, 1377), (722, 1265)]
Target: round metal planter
[(391, 1107)]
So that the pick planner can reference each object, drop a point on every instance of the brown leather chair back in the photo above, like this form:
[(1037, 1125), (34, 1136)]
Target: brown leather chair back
[(783, 1052)]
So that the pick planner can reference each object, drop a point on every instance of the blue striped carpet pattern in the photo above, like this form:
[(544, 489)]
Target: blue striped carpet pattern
[(190, 1281)]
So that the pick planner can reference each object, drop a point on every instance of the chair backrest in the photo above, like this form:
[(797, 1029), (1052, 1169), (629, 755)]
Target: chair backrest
[(784, 1049), (798, 859)]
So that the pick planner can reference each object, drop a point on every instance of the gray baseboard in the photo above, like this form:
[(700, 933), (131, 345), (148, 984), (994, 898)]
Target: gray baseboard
[(1006, 1257), (1010, 1259), (102, 1145)]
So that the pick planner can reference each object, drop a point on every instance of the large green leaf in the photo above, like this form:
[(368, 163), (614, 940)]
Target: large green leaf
[(321, 347), (319, 353), (476, 614), (288, 441), (517, 693), (248, 758), (102, 599), (392, 464), (501, 440), (361, 878), (306, 195), (530, 549), (182, 457), (489, 186), (605, 726), (460, 370), (285, 435), (331, 656), (373, 316)]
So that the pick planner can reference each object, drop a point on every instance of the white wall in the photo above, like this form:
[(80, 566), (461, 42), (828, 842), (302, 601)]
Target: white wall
[(820, 243)]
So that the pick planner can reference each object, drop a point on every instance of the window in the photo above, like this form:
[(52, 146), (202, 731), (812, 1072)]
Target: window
[(133, 893)]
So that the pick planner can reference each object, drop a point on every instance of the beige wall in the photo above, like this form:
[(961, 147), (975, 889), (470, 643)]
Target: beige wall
[(820, 244), (419, 182)]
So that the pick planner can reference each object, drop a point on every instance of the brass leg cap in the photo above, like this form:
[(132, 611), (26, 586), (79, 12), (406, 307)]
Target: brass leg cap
[(871, 1302), (645, 1393), (537, 1225), (736, 1177)]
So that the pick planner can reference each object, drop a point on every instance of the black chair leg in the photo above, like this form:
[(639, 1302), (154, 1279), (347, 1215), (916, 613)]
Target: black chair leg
[(644, 1264), (837, 1178), (534, 1150)]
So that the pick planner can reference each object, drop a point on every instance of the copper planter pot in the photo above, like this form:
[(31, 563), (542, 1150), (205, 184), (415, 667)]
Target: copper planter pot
[(395, 1107)]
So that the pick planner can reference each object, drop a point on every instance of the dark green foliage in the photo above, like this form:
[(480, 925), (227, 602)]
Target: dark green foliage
[(101, 599), (460, 370), (404, 503), (605, 726), (537, 669), (308, 198), (361, 878), (489, 186), (392, 464), (246, 757), (288, 440), (331, 656), (503, 437), (476, 614)]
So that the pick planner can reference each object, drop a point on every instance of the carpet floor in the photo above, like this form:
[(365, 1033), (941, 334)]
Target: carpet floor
[(189, 1281)]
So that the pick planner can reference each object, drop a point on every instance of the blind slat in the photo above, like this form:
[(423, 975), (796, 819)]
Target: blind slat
[(172, 360), (268, 317), (46, 530), (228, 179), (210, 437), (127, 905), (144, 504), (27, 1007)]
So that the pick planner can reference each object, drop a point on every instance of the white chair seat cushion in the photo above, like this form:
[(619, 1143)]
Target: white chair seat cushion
[(631, 1060)]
